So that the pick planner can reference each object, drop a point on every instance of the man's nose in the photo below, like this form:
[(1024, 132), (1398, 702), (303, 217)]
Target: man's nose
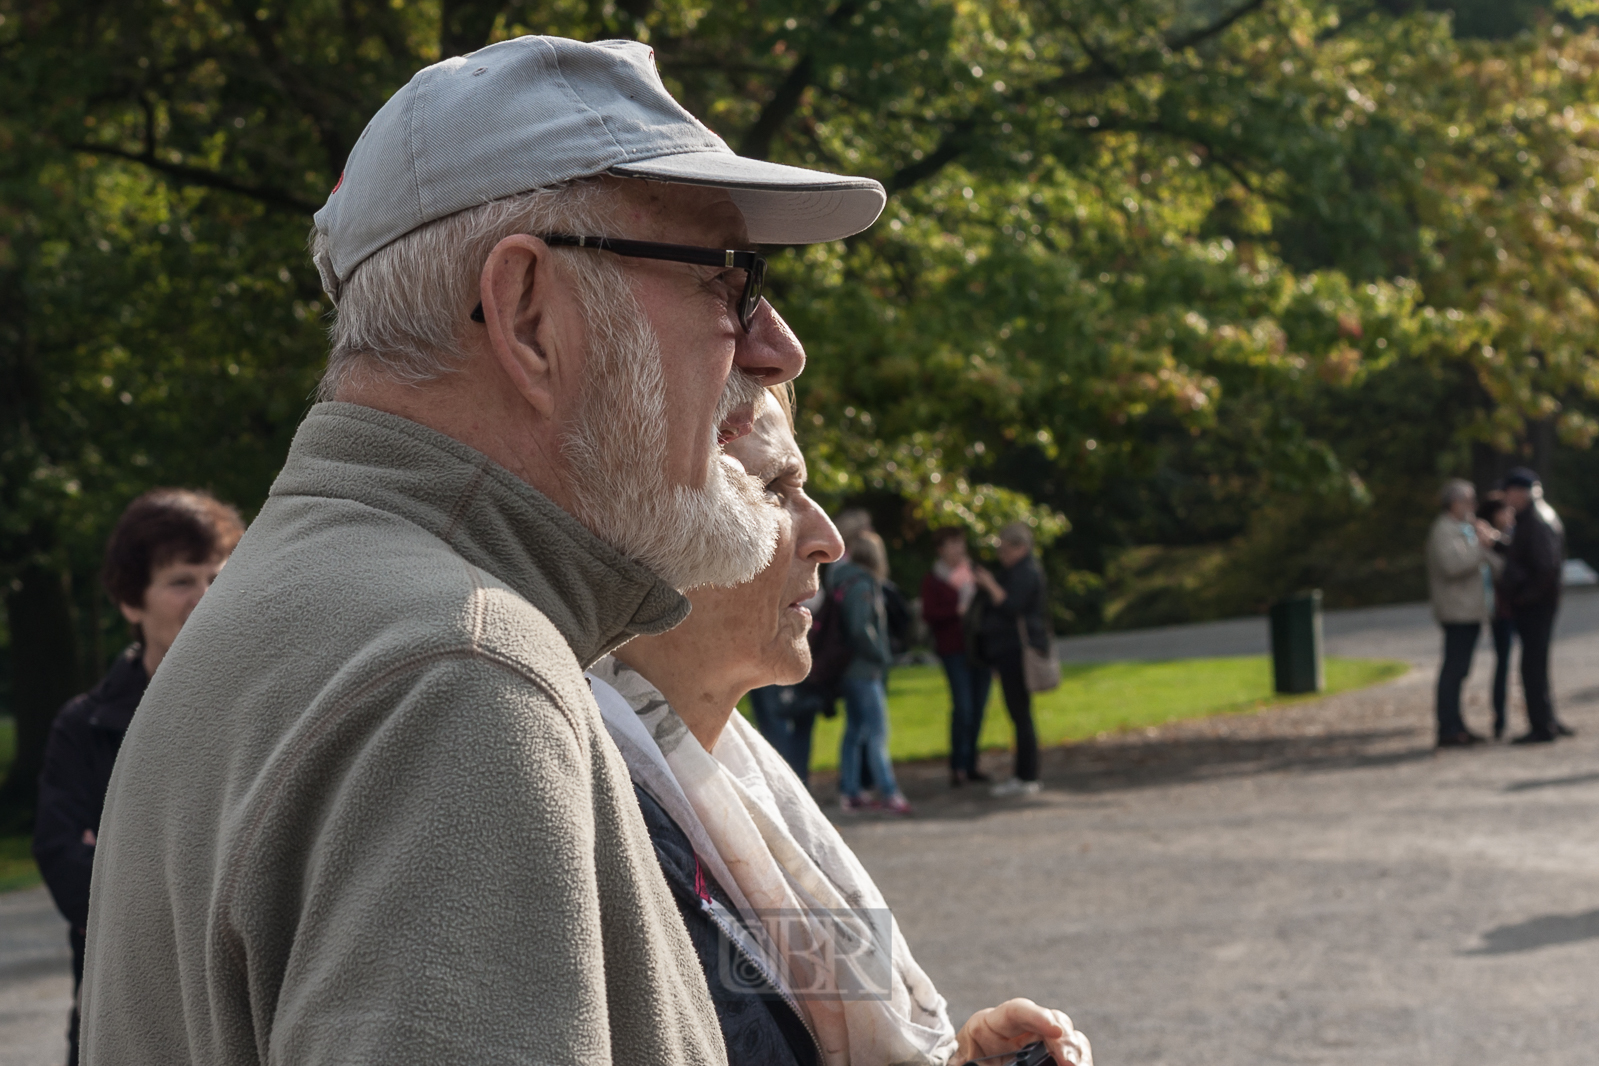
[(769, 352)]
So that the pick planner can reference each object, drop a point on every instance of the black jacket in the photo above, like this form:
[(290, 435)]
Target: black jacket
[(82, 749), (1533, 559), (1024, 599), (758, 1025)]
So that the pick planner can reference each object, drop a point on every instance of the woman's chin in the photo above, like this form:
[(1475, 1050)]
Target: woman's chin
[(795, 665)]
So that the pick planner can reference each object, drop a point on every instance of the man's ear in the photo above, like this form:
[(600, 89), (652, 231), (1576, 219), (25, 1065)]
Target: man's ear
[(515, 289), (134, 615)]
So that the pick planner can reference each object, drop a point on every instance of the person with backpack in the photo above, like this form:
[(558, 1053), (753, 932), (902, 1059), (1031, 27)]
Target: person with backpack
[(856, 587)]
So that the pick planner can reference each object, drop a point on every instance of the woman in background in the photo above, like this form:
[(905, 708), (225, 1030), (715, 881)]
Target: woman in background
[(856, 584), (764, 883), (947, 593), (166, 549), (1496, 511), (1012, 605)]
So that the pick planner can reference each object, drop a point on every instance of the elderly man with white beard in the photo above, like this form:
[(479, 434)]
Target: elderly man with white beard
[(368, 811)]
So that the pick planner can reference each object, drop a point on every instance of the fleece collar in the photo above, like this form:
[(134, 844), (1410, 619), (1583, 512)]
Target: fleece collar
[(594, 595)]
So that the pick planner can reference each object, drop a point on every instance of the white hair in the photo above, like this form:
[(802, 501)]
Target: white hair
[(1017, 535), (403, 311), (721, 533), (1454, 490)]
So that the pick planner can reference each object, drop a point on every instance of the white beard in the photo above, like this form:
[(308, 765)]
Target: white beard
[(722, 533)]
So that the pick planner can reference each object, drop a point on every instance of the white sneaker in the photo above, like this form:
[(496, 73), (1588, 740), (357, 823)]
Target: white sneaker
[(1013, 788)]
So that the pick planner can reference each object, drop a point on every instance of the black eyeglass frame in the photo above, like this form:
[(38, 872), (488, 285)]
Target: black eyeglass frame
[(752, 263)]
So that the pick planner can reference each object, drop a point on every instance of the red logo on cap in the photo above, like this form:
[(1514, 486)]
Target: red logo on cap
[(338, 183)]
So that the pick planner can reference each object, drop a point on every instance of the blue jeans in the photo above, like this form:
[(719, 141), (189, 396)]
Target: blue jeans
[(786, 716), (968, 696), (865, 733)]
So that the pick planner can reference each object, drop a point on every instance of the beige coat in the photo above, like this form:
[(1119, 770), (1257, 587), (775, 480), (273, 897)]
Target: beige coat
[(368, 811), (1454, 572)]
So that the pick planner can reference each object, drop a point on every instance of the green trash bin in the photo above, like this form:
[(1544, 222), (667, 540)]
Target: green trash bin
[(1296, 643)]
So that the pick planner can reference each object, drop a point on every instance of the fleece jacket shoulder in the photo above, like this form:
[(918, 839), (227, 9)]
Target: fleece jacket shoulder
[(368, 812)]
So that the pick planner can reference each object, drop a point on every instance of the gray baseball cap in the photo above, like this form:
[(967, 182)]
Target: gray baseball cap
[(536, 112)]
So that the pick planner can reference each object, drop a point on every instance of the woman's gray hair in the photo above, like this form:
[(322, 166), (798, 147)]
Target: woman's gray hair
[(403, 311), (1456, 489), (1017, 535)]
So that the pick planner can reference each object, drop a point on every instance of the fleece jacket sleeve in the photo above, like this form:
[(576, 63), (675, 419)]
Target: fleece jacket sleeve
[(1451, 553), (444, 904)]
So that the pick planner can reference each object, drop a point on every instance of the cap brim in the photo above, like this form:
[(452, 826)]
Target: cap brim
[(781, 204)]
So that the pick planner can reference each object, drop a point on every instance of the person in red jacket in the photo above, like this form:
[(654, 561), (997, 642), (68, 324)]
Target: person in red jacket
[(947, 592)]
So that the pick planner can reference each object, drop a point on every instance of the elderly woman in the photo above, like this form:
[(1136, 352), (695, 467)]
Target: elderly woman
[(803, 959)]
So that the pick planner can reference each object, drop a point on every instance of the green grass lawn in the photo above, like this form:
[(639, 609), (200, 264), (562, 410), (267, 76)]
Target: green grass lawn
[(1093, 698), (16, 861)]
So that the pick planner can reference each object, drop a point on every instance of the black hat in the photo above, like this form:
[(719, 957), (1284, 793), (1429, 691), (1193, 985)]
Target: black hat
[(1520, 478)]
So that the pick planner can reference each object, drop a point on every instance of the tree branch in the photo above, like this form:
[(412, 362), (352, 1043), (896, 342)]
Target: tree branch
[(1204, 33), (198, 176), (949, 149), (465, 25), (757, 140)]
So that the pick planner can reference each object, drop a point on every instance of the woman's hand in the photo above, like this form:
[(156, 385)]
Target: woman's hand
[(990, 585), (1013, 1025)]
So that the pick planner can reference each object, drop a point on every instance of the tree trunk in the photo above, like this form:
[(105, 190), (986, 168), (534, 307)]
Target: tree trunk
[(44, 673)]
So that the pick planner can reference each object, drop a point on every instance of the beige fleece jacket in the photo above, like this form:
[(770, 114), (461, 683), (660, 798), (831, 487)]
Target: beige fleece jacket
[(1454, 572), (368, 811)]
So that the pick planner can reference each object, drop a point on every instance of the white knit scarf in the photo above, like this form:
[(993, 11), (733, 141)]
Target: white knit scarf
[(819, 922)]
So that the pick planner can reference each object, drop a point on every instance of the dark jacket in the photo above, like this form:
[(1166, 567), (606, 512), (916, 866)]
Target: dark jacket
[(82, 749), (1533, 559), (941, 609), (1024, 599), (758, 1025), (860, 600)]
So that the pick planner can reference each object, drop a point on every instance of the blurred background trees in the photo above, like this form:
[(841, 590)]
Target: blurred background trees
[(1214, 291)]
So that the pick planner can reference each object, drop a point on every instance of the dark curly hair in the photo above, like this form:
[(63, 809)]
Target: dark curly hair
[(164, 526)]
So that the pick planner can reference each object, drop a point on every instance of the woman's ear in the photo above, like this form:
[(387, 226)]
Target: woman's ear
[(515, 290)]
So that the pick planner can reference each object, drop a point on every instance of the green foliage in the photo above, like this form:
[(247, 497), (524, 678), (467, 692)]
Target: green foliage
[(1094, 698), (17, 868), (1153, 273)]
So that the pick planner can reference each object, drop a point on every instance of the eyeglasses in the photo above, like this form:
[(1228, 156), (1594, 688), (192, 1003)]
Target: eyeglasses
[(752, 263)]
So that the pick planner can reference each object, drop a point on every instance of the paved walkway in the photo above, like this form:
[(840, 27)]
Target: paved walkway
[(1309, 885)]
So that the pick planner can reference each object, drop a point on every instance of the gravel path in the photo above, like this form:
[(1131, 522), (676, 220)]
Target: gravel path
[(1306, 885)]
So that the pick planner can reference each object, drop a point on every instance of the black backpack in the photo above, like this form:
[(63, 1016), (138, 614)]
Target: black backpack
[(830, 650), (898, 616)]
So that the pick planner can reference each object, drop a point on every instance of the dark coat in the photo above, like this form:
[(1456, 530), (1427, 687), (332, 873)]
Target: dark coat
[(758, 1025), (1024, 599), (82, 749), (1533, 560)]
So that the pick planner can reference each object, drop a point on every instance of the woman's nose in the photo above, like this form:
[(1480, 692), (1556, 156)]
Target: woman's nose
[(818, 537)]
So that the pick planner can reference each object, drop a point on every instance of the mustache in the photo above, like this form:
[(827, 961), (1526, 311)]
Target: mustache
[(741, 390)]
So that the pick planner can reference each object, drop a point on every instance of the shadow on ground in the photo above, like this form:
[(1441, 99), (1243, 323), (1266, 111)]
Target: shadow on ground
[(1542, 932), (1135, 761), (1553, 782)]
